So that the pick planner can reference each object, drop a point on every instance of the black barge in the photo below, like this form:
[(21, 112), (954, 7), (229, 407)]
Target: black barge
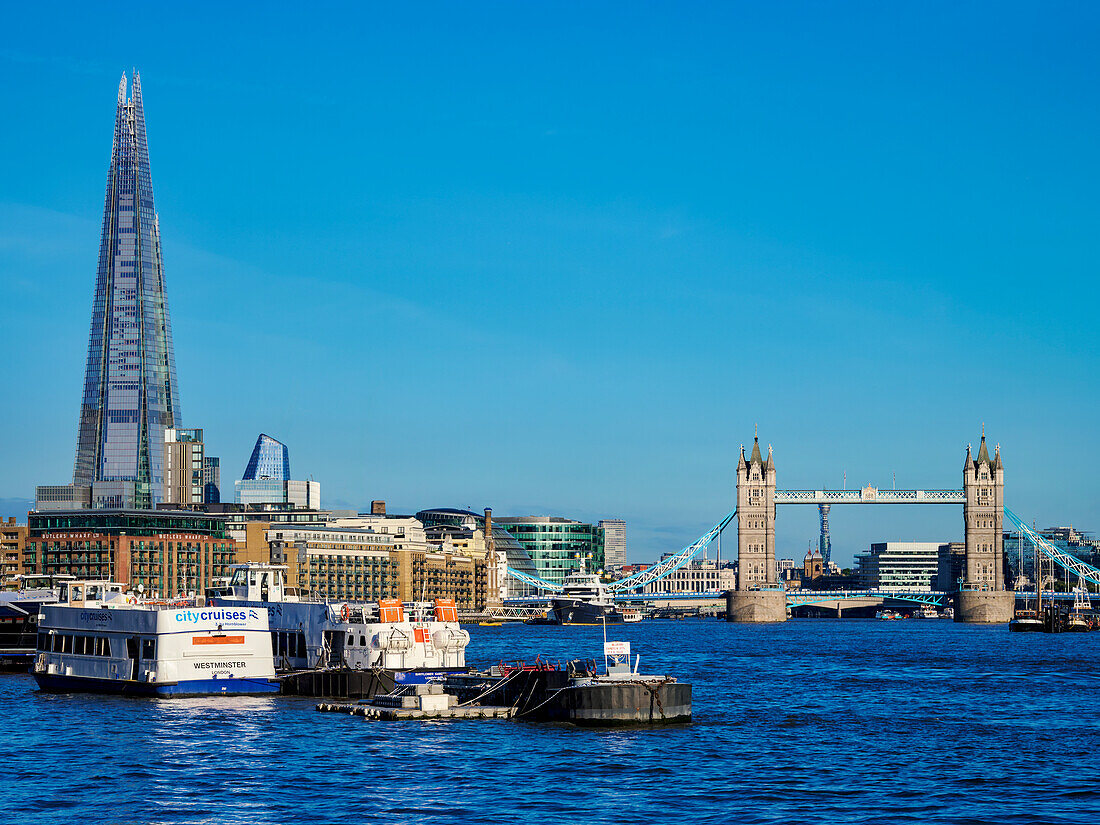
[(576, 694)]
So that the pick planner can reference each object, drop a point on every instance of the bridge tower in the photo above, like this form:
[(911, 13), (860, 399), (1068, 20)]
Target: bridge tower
[(758, 597), (982, 597)]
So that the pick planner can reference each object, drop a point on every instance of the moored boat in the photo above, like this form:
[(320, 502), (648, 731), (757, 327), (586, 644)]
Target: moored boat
[(99, 639), (1077, 621), (1077, 624), (1026, 621), (584, 600), (19, 609), (350, 649), (579, 693)]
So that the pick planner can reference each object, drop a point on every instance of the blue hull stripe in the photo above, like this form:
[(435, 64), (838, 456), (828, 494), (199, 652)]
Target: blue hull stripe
[(54, 683)]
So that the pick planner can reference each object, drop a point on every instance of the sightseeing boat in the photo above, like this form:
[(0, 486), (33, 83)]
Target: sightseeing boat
[(98, 638)]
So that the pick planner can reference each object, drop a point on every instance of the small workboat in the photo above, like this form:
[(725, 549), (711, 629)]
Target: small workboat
[(1026, 621), (1077, 621), (1077, 624)]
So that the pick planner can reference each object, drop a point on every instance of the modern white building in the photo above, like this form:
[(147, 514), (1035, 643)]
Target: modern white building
[(305, 494), (899, 565)]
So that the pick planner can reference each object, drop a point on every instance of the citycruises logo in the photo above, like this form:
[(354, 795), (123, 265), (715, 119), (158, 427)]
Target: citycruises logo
[(220, 615)]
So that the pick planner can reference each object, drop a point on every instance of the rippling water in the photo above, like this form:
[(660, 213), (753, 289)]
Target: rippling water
[(811, 721)]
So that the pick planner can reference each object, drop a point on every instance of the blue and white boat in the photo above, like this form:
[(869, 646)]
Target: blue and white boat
[(97, 638)]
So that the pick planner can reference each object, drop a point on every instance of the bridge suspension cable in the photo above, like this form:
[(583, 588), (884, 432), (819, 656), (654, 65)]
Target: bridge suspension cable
[(641, 579), (672, 563), (534, 581), (1060, 557)]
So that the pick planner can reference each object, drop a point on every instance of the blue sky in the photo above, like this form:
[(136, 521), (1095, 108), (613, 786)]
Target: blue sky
[(561, 258)]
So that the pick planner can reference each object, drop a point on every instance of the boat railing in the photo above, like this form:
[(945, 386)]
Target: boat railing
[(539, 665)]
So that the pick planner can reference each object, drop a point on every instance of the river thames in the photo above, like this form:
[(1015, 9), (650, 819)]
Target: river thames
[(812, 721)]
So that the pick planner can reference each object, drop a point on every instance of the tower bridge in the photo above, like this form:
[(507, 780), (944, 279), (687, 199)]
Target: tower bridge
[(759, 597)]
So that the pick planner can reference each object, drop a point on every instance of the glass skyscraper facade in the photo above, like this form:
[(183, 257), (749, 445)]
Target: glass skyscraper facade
[(270, 459), (130, 394), (267, 478)]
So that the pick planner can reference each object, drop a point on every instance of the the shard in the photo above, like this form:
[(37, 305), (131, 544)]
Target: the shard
[(130, 393)]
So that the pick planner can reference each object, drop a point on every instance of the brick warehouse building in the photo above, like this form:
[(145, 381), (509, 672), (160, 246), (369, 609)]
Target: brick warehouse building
[(169, 552)]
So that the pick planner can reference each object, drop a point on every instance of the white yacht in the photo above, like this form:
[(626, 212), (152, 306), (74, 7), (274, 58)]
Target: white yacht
[(585, 600)]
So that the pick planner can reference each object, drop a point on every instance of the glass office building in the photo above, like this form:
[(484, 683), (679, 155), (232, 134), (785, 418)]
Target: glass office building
[(557, 546), (211, 479), (270, 459), (130, 394)]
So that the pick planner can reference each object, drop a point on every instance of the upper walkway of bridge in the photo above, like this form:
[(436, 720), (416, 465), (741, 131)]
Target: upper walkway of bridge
[(870, 495)]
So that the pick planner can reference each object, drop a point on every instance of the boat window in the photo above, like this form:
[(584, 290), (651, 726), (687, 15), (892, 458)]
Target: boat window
[(351, 640), (43, 641), (66, 644), (362, 641), (79, 644), (148, 648)]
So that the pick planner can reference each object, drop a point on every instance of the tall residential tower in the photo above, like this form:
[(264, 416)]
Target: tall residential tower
[(130, 393)]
